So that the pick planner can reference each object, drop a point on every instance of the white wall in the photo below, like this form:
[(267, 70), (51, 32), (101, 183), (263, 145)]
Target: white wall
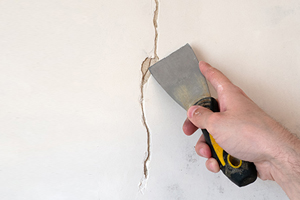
[(70, 116)]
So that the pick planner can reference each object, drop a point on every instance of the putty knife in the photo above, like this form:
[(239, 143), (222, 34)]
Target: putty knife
[(180, 76)]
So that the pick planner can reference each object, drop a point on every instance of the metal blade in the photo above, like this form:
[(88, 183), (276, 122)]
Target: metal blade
[(180, 76)]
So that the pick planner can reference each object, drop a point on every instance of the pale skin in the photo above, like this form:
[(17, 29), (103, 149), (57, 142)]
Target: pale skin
[(246, 132)]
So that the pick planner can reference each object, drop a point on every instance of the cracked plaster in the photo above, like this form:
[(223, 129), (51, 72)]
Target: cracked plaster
[(145, 76)]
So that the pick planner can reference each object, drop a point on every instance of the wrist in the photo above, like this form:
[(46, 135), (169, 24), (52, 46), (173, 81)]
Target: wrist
[(285, 165)]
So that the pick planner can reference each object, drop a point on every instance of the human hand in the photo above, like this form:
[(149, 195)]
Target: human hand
[(241, 128)]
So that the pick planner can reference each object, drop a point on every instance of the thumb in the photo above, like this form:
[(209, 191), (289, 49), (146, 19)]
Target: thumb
[(199, 115)]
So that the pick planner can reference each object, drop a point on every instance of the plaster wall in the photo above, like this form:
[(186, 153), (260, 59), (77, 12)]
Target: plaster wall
[(71, 123)]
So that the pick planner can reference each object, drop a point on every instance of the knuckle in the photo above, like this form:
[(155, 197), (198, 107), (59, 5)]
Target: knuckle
[(236, 89), (239, 90)]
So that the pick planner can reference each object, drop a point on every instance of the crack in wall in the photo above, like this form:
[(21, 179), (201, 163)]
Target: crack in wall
[(145, 76)]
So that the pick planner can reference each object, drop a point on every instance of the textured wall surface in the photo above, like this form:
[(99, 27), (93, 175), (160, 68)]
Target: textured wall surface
[(79, 119)]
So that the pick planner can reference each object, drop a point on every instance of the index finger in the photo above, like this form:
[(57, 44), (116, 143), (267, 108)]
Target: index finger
[(214, 76)]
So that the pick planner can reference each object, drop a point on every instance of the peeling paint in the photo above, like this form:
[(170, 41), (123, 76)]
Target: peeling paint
[(145, 76)]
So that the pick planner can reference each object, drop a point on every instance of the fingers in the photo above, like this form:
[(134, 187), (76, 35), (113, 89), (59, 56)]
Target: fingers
[(203, 150), (212, 165), (198, 117), (214, 76), (188, 127)]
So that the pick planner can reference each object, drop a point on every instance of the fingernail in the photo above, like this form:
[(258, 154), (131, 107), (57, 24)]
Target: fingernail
[(193, 111)]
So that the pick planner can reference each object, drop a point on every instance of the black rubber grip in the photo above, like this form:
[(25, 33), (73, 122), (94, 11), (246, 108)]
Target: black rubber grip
[(238, 171)]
